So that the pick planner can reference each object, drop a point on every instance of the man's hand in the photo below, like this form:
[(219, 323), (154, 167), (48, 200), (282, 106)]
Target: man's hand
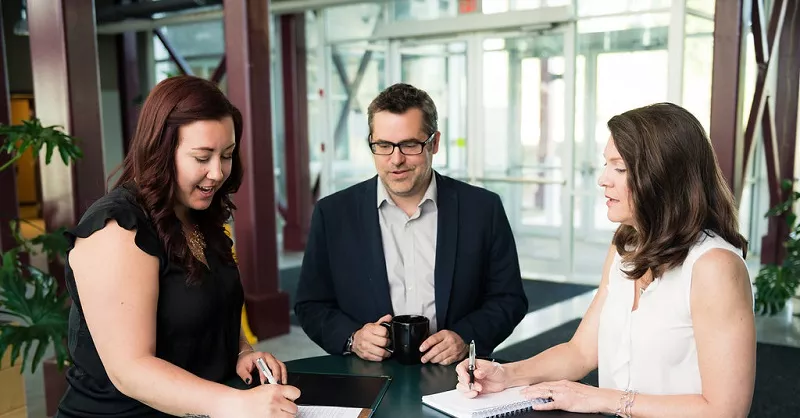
[(445, 347), (371, 340)]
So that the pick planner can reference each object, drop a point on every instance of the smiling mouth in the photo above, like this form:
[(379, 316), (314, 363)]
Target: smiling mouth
[(205, 189)]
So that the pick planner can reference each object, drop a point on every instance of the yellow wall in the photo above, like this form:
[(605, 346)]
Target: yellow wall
[(21, 109), (12, 397)]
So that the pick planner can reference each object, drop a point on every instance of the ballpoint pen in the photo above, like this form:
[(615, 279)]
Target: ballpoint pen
[(471, 363), (265, 370)]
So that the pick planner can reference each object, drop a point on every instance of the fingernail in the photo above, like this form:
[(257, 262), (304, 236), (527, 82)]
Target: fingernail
[(247, 380)]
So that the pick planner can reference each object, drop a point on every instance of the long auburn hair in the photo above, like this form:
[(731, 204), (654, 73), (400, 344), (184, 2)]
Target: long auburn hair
[(149, 167), (677, 189)]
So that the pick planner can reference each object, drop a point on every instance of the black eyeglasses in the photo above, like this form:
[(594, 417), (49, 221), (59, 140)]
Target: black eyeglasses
[(409, 147)]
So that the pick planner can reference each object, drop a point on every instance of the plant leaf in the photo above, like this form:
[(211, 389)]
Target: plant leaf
[(42, 311), (32, 135), (53, 244)]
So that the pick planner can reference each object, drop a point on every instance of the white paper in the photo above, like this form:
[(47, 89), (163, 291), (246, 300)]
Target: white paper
[(304, 411), (454, 403)]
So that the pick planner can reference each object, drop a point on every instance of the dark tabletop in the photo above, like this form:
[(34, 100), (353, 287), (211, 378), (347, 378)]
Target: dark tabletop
[(409, 384)]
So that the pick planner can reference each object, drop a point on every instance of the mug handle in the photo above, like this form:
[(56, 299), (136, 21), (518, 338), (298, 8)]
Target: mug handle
[(388, 326)]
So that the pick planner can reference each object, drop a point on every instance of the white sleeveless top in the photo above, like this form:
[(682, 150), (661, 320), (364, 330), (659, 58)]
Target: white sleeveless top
[(652, 350)]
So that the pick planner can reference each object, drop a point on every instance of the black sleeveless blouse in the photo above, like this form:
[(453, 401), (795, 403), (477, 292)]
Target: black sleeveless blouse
[(197, 325)]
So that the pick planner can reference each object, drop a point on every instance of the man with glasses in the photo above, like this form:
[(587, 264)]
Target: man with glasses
[(409, 241)]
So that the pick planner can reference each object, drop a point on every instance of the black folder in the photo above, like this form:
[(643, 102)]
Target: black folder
[(344, 390)]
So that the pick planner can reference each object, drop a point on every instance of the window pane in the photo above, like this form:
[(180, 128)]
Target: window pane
[(698, 56), (198, 38), (604, 7), (423, 9), (355, 21), (703, 6)]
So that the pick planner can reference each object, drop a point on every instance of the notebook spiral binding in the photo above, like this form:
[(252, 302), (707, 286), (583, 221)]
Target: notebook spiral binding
[(510, 410)]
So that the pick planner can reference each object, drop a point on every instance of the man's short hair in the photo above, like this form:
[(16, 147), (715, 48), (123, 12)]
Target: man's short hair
[(401, 97)]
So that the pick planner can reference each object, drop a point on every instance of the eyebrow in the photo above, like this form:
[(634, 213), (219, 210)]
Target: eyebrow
[(398, 142), (402, 140), (209, 149)]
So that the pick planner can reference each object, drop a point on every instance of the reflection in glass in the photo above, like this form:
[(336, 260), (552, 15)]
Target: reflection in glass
[(354, 21), (605, 7), (698, 57), (402, 10), (622, 64), (704, 6), (358, 75), (524, 130), (440, 70)]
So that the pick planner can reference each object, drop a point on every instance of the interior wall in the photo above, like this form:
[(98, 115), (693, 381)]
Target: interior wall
[(110, 102), (18, 52)]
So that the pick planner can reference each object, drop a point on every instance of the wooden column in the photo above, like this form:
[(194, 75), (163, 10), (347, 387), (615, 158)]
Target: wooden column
[(727, 89), (295, 100), (9, 205), (130, 90), (247, 62), (66, 84), (785, 126)]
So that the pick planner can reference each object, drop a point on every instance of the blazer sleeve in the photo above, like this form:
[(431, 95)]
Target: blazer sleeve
[(504, 302), (316, 306)]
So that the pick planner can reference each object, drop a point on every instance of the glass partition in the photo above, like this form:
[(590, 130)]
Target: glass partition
[(622, 64), (523, 110), (441, 70)]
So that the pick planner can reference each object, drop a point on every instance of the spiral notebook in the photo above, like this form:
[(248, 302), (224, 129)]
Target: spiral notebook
[(502, 404)]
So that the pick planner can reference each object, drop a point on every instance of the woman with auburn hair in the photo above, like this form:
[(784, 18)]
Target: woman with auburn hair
[(155, 322), (671, 328)]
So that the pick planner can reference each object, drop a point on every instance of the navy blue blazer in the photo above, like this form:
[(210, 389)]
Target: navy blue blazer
[(343, 283)]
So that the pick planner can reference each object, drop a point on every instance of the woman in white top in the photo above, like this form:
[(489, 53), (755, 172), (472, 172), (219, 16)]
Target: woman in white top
[(671, 328)]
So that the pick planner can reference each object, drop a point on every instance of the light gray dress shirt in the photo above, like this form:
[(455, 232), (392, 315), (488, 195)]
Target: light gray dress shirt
[(409, 247)]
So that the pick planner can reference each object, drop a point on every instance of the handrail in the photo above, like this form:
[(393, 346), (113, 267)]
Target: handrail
[(519, 180)]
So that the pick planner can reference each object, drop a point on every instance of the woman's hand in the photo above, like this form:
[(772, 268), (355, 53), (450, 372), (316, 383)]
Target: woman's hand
[(247, 362), (570, 396), (261, 401), (490, 377)]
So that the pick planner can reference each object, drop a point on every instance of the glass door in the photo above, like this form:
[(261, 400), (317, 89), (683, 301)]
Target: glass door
[(526, 107), (440, 68), (505, 100), (612, 77)]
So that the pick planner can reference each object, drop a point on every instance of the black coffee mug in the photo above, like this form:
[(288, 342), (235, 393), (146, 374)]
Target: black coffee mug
[(406, 334)]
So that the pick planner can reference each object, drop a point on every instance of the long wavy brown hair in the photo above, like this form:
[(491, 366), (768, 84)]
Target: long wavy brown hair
[(677, 189), (149, 167)]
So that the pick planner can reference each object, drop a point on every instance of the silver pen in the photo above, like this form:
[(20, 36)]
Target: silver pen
[(262, 365), (471, 363)]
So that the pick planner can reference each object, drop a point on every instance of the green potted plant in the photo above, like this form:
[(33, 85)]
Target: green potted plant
[(777, 283), (34, 312)]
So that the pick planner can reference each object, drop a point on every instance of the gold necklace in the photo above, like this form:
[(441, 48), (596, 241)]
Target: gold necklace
[(197, 243)]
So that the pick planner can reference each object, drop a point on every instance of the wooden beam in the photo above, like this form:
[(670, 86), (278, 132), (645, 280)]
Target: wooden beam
[(247, 53), (295, 122), (9, 204), (726, 88)]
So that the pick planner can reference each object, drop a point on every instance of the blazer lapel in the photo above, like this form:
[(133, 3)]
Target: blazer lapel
[(446, 246), (368, 217)]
